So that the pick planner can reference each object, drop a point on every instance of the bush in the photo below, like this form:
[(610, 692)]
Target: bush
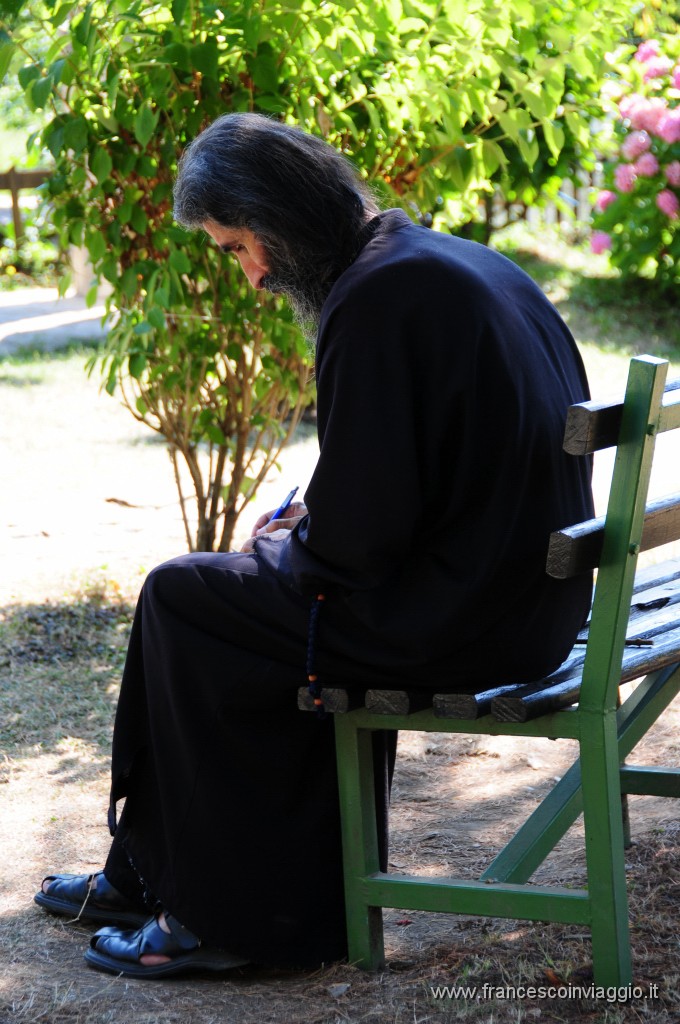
[(638, 214)]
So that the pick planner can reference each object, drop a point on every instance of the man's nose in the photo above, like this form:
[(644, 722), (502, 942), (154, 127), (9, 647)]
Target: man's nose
[(252, 270)]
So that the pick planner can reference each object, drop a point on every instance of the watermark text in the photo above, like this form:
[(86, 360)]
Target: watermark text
[(610, 994)]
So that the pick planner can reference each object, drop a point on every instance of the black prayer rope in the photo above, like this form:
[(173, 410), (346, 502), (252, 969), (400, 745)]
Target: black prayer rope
[(314, 686)]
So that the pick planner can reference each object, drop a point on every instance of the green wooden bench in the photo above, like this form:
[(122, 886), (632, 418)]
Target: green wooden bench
[(633, 634)]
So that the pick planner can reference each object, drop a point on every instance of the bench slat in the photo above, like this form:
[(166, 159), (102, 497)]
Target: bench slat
[(577, 549), (593, 426), (656, 575), (397, 702), (535, 700), (335, 699), (468, 706)]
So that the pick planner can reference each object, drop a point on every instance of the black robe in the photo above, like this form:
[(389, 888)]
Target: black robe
[(443, 375)]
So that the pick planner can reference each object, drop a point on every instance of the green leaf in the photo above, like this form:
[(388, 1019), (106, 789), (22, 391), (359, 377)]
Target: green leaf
[(554, 137), (139, 220), (62, 14), (178, 9), (6, 54), (535, 101), (529, 148), (177, 55), (128, 283), (578, 127), (75, 134), (96, 246), (53, 138), (251, 31), (101, 164), (137, 364), (28, 74), (81, 29), (264, 69), (112, 378), (145, 124), (125, 211), (514, 121), (39, 92), (64, 284), (57, 70), (156, 318), (204, 57), (492, 156), (180, 262), (460, 167), (214, 434)]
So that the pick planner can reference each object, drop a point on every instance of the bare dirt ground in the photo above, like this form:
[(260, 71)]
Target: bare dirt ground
[(87, 504)]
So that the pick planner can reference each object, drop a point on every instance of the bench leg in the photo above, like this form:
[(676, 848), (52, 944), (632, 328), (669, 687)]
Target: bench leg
[(604, 836), (625, 810), (354, 751)]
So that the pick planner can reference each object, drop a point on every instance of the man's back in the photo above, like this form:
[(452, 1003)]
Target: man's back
[(444, 375)]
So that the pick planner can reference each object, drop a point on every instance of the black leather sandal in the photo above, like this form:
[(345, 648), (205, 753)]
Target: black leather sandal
[(74, 896), (119, 952)]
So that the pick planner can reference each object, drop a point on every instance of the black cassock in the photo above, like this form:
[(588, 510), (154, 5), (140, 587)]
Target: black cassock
[(443, 376)]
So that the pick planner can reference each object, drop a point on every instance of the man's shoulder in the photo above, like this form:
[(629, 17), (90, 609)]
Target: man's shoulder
[(399, 247), (405, 266)]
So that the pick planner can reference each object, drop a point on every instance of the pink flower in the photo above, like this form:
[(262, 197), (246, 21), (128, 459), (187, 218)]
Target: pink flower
[(676, 76), (672, 172), (600, 241), (625, 177), (628, 103), (668, 127), (647, 166), (646, 114), (647, 50), (605, 199), (668, 203), (657, 67), (635, 144)]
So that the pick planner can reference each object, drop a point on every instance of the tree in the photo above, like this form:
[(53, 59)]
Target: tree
[(424, 95)]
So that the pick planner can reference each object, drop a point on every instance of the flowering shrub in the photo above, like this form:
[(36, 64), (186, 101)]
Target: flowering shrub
[(637, 216)]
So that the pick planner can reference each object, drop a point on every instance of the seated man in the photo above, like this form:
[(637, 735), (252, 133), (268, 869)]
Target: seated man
[(443, 375)]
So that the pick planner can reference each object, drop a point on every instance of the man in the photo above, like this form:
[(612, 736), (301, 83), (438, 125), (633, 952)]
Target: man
[(443, 377)]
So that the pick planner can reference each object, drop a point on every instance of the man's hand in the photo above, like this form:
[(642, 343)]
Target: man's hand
[(277, 529)]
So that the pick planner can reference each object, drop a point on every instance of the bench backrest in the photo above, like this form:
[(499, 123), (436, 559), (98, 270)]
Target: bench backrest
[(612, 543)]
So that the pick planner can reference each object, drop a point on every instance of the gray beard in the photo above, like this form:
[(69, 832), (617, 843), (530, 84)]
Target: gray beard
[(306, 302)]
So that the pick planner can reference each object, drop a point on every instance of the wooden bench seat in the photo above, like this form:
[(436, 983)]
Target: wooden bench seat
[(633, 635), (652, 641)]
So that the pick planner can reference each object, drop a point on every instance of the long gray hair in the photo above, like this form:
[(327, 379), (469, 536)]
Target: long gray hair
[(299, 195)]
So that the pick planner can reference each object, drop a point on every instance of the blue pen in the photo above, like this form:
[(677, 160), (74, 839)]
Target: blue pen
[(284, 505)]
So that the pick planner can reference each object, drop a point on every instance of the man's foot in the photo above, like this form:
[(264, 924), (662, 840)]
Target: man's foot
[(89, 898), (162, 947)]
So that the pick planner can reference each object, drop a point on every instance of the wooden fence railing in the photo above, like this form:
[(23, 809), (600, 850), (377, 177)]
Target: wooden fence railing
[(15, 181)]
